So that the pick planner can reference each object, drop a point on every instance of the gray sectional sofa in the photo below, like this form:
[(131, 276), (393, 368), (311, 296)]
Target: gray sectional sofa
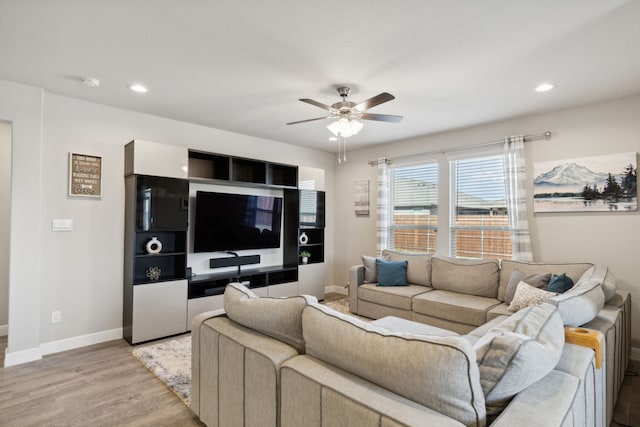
[(293, 362), (462, 295)]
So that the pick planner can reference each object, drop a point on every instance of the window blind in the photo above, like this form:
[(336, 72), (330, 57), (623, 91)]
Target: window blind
[(479, 222), (414, 193)]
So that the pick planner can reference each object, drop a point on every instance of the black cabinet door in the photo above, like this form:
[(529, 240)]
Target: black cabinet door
[(161, 203)]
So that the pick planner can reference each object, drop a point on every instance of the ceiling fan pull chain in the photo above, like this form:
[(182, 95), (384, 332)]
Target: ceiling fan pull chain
[(339, 138), (344, 150)]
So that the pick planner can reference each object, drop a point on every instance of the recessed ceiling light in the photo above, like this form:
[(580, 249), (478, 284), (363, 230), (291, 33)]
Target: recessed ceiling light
[(545, 87), (333, 138), (137, 87)]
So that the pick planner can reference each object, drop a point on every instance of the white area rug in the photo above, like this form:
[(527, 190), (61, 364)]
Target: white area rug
[(170, 360)]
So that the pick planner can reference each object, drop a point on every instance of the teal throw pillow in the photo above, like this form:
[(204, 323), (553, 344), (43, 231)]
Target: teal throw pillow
[(559, 283), (392, 273)]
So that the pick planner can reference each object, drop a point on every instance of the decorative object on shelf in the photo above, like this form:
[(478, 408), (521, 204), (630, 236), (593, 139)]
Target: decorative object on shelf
[(586, 184), (305, 256), (361, 194), (304, 239), (153, 273), (154, 246), (85, 175)]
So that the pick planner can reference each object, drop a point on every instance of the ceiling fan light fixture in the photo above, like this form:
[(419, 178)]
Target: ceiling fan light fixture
[(345, 127)]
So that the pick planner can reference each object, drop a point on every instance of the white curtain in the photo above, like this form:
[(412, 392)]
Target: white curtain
[(514, 172), (382, 207)]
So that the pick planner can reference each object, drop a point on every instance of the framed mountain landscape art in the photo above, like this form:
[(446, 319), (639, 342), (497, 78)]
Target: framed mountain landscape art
[(587, 184)]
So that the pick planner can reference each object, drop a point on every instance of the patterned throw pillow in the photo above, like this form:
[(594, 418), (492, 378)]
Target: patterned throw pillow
[(527, 295), (536, 280)]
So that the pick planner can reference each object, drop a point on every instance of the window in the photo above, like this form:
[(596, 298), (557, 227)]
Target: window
[(479, 223), (471, 208), (414, 201)]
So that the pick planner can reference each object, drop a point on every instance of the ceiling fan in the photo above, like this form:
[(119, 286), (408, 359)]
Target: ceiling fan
[(346, 113)]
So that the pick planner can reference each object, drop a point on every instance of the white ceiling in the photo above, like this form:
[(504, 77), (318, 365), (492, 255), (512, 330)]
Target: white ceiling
[(241, 65)]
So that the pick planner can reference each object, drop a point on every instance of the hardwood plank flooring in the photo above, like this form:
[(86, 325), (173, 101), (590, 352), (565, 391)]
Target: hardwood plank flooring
[(104, 385), (99, 385)]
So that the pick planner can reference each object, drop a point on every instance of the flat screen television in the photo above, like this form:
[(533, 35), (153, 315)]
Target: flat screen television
[(229, 222)]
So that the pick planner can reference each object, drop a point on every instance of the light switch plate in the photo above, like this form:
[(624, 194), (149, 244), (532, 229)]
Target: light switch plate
[(62, 225)]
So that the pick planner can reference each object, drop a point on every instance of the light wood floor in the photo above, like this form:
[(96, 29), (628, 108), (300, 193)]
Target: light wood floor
[(104, 385), (99, 385)]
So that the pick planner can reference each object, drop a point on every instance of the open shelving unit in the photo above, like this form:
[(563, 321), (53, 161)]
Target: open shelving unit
[(232, 170), (204, 285)]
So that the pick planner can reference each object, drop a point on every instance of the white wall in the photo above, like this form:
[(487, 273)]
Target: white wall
[(80, 272), (5, 221), (22, 105), (592, 130)]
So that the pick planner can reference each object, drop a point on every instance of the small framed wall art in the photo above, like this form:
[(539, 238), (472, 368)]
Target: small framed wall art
[(85, 175), (361, 194)]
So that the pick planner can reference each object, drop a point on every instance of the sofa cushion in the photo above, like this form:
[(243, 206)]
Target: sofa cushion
[(391, 296), (518, 352), (498, 311), (413, 366), (391, 273), (466, 276), (527, 295), (581, 303), (279, 318), (461, 308), (602, 273), (517, 276), (573, 270), (560, 283), (419, 269)]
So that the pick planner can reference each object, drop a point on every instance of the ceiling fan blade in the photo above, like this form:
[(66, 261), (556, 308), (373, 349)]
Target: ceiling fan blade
[(381, 117), (317, 104), (376, 100), (309, 120)]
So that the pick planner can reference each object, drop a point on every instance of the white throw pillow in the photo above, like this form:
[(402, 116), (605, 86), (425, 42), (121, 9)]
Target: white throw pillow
[(518, 352), (527, 295)]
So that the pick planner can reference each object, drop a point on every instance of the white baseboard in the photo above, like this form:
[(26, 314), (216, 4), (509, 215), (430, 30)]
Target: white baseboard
[(30, 355), (80, 341), (635, 353), (4, 330), (24, 356), (335, 290)]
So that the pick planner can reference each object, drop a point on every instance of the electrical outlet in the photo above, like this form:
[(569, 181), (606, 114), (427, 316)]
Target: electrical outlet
[(56, 316)]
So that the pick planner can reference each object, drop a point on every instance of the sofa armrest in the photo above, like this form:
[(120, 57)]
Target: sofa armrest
[(195, 355), (536, 406), (356, 278)]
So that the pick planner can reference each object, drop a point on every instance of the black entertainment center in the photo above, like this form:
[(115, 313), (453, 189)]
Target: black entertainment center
[(161, 296)]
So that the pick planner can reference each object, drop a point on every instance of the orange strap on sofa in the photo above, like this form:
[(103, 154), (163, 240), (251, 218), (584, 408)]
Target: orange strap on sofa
[(586, 338)]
